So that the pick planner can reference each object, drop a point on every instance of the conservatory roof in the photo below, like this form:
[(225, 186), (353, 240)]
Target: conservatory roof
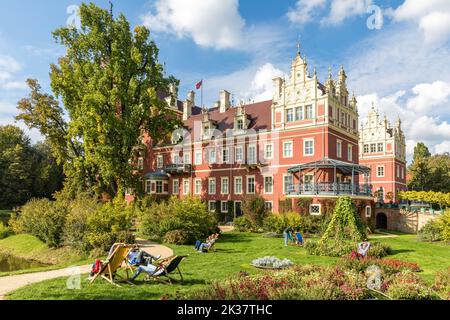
[(327, 163)]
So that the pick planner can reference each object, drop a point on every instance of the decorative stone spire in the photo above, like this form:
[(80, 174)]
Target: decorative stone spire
[(330, 82)]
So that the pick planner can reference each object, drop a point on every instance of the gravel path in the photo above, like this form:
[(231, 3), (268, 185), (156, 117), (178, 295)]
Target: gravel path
[(11, 283)]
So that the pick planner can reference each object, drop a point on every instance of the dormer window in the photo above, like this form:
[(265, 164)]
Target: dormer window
[(240, 124)]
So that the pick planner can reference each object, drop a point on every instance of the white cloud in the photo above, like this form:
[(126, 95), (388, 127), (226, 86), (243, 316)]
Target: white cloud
[(430, 97), (431, 16), (442, 147), (210, 23), (343, 9), (8, 67), (262, 85), (305, 10)]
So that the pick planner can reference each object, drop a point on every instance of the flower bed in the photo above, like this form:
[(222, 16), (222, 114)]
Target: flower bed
[(271, 263), (342, 248), (388, 266)]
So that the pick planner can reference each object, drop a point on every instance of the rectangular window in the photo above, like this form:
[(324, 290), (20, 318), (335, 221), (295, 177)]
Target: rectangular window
[(380, 171), (298, 113), (198, 157), (225, 186), (185, 186), (225, 155), (268, 185), (212, 206), (187, 158), (224, 206), (175, 159), (309, 112), (287, 149), (366, 148), (237, 185), (268, 151), (350, 153), (269, 206), (212, 186), (250, 184), (159, 187), (159, 162), (239, 153), (403, 173), (380, 147), (240, 124), (314, 210), (287, 184), (308, 147), (368, 211), (339, 148), (289, 115), (212, 156), (198, 186), (141, 164), (176, 186), (148, 186), (251, 156), (373, 147)]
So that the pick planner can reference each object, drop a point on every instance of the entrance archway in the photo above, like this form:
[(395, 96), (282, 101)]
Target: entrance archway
[(381, 221)]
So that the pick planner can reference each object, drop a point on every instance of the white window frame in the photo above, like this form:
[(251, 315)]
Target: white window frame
[(222, 179), (304, 147), (212, 156), (291, 149), (254, 184), (306, 111), (209, 205), (378, 147), (148, 186), (209, 186), (271, 205), (339, 148), (186, 192), (265, 190), (403, 172), (267, 155), (292, 113), (284, 181), (398, 170), (159, 161), (175, 158), (186, 156), (221, 206), (225, 156), (198, 158), (235, 184), (140, 163), (252, 158), (196, 181), (368, 211), (177, 191), (378, 172), (315, 205), (240, 152), (350, 152)]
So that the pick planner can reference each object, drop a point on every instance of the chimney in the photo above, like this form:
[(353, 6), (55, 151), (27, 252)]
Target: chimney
[(224, 101), (173, 97), (188, 104)]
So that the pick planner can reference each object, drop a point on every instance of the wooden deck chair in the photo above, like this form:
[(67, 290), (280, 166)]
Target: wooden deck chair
[(114, 262), (165, 267)]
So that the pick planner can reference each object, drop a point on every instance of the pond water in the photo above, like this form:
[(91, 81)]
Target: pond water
[(11, 263)]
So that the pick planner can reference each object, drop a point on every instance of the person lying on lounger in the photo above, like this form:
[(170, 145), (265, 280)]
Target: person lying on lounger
[(138, 257)]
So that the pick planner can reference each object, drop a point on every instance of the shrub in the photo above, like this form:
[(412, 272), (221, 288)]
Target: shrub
[(303, 204), (431, 231), (189, 214), (42, 218), (389, 266), (254, 209), (242, 224), (445, 223), (345, 222), (278, 222), (272, 262), (442, 283), (342, 248), (4, 231), (406, 285), (178, 237)]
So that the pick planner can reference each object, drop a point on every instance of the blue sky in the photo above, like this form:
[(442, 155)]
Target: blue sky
[(402, 65)]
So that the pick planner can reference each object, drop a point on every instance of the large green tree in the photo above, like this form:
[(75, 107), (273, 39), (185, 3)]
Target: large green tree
[(110, 84), (419, 170), (15, 167)]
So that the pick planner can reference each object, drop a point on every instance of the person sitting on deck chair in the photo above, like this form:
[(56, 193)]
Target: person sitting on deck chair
[(298, 238), (149, 268), (204, 246), (137, 257), (363, 248)]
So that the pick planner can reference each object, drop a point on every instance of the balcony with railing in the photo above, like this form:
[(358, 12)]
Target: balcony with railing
[(330, 189), (178, 168)]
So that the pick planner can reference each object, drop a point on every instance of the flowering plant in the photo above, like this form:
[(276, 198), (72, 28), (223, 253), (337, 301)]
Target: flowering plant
[(272, 262)]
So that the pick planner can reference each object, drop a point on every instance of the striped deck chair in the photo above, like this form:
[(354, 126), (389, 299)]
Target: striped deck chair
[(115, 261)]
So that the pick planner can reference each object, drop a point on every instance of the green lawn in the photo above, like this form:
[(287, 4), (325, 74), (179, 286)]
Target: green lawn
[(234, 253), (30, 248)]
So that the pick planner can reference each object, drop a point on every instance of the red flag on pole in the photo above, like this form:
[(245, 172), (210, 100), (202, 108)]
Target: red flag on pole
[(199, 85)]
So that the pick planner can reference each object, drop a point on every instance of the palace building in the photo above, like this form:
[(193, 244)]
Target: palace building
[(303, 143)]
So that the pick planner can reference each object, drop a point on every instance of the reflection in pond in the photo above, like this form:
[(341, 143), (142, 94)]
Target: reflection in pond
[(11, 263)]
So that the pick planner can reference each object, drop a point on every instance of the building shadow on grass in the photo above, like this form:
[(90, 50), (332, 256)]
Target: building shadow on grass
[(397, 251), (234, 237)]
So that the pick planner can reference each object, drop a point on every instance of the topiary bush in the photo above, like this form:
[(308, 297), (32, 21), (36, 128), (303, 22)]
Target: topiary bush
[(43, 219), (189, 214), (254, 209), (345, 223)]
